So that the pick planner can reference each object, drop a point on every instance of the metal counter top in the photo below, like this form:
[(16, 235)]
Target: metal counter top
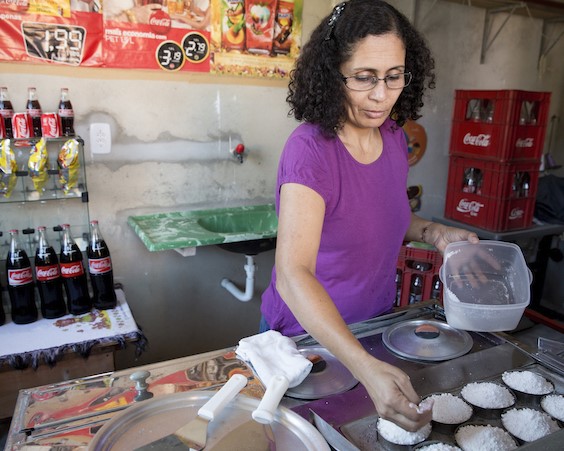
[(86, 404)]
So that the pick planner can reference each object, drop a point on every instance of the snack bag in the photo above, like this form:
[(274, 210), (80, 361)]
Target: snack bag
[(69, 165), (8, 167), (38, 164)]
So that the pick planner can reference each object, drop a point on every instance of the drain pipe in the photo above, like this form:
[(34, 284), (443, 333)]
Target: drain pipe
[(250, 268)]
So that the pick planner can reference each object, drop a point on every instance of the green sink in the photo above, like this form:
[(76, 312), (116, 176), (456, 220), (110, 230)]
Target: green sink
[(253, 227), (237, 222)]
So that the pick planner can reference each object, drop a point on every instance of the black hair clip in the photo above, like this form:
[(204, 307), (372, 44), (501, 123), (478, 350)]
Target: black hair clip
[(337, 10)]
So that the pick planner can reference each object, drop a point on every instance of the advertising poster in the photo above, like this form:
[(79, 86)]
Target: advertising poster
[(171, 35), (257, 38), (51, 31)]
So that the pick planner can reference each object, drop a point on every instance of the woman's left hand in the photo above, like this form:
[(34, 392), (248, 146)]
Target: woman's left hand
[(439, 235)]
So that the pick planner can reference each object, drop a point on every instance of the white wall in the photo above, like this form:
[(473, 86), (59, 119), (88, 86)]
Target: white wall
[(167, 130)]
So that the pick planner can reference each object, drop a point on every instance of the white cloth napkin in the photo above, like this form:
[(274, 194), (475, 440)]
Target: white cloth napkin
[(272, 354)]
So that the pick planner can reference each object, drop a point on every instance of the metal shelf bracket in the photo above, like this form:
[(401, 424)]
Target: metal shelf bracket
[(546, 44), (488, 23)]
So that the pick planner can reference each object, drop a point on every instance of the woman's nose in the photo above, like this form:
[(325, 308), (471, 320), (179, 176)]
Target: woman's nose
[(379, 91)]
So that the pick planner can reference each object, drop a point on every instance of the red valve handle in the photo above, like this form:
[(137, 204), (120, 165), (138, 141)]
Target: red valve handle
[(240, 148)]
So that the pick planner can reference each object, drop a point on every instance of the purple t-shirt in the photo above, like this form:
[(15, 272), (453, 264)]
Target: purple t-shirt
[(367, 214)]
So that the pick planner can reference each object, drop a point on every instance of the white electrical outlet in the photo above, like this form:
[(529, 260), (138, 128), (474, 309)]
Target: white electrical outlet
[(100, 138)]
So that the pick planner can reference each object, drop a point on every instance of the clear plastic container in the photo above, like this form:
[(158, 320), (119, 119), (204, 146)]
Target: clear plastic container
[(486, 285)]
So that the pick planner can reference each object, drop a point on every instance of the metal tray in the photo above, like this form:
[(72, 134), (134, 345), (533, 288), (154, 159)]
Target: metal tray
[(150, 420), (362, 433)]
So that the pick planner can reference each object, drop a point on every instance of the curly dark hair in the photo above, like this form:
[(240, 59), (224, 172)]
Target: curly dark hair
[(316, 89)]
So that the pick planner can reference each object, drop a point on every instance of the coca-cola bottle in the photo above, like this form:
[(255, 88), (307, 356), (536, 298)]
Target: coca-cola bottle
[(66, 113), (6, 112), (74, 276), (33, 109), (48, 278), (21, 289), (100, 269), (470, 181), (398, 287), (437, 286), (416, 289)]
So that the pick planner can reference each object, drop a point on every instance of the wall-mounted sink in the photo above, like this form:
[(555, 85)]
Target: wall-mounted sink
[(237, 221), (245, 229)]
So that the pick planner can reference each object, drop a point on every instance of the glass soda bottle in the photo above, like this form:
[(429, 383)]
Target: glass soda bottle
[(74, 276), (436, 287), (100, 269), (469, 183), (66, 113), (33, 109), (48, 278), (416, 289), (6, 112), (21, 288), (398, 287)]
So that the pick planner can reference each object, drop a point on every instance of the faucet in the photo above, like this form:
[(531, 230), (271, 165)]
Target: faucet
[(239, 152)]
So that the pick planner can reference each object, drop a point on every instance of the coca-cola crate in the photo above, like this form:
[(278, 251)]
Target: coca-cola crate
[(493, 179), (496, 214), (507, 125), (424, 263)]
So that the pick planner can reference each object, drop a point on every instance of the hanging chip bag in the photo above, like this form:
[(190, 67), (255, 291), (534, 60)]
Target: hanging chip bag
[(38, 164), (69, 165), (8, 167)]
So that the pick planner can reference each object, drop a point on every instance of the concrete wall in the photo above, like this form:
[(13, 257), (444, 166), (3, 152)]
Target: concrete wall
[(168, 136)]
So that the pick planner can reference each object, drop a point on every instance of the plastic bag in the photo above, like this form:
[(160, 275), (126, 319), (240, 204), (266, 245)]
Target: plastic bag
[(69, 165), (37, 164), (8, 168), (549, 205)]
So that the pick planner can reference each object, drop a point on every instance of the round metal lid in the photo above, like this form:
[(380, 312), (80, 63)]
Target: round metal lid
[(150, 420), (327, 377), (426, 340)]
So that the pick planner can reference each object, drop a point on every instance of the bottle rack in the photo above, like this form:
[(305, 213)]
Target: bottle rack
[(26, 208), (415, 261)]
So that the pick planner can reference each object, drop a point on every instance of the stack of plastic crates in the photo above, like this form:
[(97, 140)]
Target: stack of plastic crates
[(496, 145), (417, 276)]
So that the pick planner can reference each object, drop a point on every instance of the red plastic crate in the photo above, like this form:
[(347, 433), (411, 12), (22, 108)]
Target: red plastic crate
[(431, 262), (500, 180), (507, 125), (490, 213)]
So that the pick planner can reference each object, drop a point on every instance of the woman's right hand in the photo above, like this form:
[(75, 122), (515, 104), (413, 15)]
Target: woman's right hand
[(393, 395)]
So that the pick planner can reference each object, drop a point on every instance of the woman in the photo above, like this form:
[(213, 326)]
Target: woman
[(341, 197)]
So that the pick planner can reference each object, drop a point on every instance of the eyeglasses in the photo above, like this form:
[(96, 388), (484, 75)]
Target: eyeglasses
[(367, 82)]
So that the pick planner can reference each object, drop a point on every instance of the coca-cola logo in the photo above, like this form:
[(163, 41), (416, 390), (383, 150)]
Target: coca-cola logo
[(160, 22), (72, 269), (469, 206), (45, 273), (17, 277), (20, 125), (480, 140), (527, 142), (516, 213), (100, 265), (50, 126), (19, 5)]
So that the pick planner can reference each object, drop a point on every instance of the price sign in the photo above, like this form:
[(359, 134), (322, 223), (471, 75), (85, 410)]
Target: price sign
[(196, 47), (170, 56), (54, 42)]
